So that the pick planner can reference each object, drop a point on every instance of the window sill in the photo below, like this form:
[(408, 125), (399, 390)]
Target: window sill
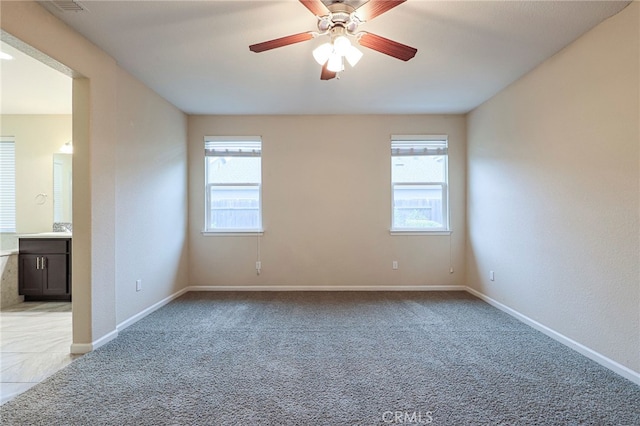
[(234, 233), (416, 232)]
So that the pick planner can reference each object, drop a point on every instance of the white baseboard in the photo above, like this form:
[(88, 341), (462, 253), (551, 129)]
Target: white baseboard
[(137, 317), (612, 365), (83, 348), (330, 288)]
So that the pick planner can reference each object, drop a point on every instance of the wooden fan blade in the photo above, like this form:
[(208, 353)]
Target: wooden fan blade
[(374, 8), (326, 74), (279, 42), (388, 47), (316, 7)]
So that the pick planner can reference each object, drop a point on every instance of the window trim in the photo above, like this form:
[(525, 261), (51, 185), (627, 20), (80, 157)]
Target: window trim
[(233, 233), (208, 231), (444, 230)]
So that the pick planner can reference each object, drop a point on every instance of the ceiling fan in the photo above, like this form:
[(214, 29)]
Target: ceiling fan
[(339, 19)]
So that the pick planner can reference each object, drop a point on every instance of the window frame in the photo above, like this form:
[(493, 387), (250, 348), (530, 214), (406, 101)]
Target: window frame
[(208, 229), (446, 211)]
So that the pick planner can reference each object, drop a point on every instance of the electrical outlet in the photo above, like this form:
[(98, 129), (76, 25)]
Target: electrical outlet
[(394, 265), (492, 276), (138, 285), (258, 265)]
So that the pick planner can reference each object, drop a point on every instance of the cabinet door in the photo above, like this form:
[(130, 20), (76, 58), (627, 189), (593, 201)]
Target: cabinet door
[(31, 274), (55, 281)]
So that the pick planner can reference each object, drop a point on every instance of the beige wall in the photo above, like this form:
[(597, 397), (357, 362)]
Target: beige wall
[(553, 192), (327, 205), (99, 87), (37, 138), (151, 198)]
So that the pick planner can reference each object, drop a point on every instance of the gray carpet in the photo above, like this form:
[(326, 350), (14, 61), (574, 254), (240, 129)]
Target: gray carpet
[(329, 358)]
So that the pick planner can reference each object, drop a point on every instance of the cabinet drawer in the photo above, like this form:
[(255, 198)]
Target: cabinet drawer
[(44, 245)]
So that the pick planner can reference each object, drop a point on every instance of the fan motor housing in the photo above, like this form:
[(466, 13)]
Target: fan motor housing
[(341, 15)]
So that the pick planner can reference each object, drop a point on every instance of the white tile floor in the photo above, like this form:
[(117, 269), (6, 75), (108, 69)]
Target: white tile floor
[(35, 338)]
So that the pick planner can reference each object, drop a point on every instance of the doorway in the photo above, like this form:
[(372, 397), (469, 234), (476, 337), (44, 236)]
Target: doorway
[(36, 116)]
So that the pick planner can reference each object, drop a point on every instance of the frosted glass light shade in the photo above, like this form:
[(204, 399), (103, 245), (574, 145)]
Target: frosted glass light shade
[(353, 55), (341, 45), (335, 63), (333, 54), (321, 53)]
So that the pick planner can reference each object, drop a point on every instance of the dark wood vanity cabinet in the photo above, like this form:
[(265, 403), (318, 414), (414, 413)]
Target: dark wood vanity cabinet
[(44, 268)]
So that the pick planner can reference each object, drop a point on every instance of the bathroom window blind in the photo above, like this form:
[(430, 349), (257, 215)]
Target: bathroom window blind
[(7, 184)]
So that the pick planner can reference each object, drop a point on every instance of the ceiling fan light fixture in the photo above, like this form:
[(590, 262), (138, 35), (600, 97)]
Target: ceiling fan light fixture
[(353, 55), (335, 63), (322, 53), (339, 19)]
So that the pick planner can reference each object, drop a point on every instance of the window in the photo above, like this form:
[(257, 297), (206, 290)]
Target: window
[(419, 183), (233, 173), (7, 184)]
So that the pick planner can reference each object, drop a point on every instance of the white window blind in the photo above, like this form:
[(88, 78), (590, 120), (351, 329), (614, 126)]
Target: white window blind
[(232, 146), (7, 184), (404, 145)]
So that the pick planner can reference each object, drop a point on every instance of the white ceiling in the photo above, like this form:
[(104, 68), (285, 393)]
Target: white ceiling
[(30, 87), (195, 53)]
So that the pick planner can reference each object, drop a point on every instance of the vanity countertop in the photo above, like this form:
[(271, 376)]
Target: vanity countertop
[(48, 235)]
